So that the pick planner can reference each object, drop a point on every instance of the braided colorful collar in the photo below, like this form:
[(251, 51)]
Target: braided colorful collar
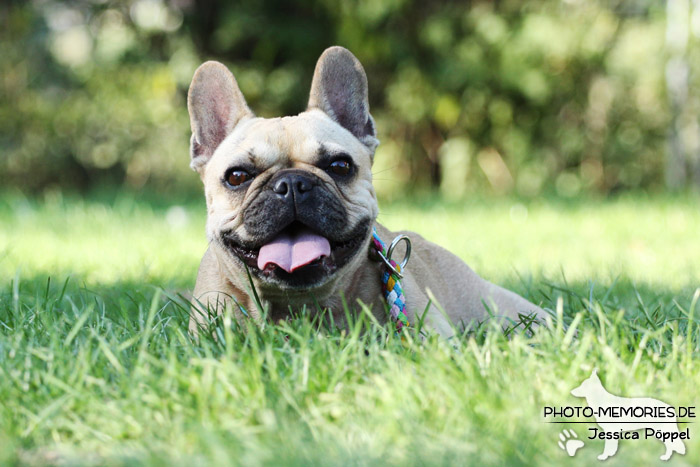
[(391, 286)]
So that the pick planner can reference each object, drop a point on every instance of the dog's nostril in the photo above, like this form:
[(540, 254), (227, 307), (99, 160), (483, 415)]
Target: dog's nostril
[(281, 187), (292, 185), (303, 186)]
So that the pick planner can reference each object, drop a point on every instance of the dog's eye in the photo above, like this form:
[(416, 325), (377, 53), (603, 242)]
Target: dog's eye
[(340, 167), (236, 177)]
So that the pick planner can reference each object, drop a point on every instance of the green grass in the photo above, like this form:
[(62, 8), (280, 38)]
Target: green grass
[(96, 366)]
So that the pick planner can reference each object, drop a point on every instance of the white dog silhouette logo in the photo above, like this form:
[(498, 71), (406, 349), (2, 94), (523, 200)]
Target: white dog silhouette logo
[(621, 418)]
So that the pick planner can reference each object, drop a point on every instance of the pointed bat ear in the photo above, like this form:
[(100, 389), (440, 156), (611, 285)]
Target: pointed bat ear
[(216, 106), (594, 373), (339, 89)]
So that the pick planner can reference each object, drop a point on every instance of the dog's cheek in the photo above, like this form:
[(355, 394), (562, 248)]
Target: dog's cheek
[(212, 231), (214, 222), (365, 201), (220, 217)]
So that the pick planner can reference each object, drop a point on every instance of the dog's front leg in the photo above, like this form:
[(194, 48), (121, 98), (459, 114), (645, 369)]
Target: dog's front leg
[(609, 449), (212, 293)]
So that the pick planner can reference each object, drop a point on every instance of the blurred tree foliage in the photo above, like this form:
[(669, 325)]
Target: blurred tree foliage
[(503, 96)]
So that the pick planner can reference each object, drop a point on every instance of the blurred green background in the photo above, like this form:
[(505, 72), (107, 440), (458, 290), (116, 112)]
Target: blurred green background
[(576, 97), (543, 142)]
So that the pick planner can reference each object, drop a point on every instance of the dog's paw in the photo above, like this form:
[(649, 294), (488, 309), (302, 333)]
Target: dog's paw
[(569, 443)]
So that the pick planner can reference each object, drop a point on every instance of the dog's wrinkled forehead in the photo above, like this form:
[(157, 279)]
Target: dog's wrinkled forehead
[(337, 114), (287, 141)]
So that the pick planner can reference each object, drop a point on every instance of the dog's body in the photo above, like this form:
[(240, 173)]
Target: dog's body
[(597, 398), (291, 199)]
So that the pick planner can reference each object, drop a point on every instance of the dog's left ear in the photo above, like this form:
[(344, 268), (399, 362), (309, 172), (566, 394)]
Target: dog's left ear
[(339, 88)]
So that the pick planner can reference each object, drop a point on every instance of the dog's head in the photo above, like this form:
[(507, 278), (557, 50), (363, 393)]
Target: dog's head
[(291, 198), (588, 385)]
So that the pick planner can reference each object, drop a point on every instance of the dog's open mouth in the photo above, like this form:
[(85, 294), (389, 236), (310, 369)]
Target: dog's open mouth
[(293, 248), (298, 256)]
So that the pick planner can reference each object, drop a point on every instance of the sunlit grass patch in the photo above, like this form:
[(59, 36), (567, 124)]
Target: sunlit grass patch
[(96, 366)]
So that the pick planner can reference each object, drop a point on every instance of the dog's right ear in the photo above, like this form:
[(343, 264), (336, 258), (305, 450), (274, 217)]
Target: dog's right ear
[(216, 106)]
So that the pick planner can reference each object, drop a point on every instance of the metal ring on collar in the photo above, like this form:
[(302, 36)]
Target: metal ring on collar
[(391, 250)]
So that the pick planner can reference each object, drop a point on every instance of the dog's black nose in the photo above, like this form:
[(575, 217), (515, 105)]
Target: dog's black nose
[(293, 185)]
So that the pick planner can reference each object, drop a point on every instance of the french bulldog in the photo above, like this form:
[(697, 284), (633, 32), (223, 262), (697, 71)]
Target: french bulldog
[(291, 210)]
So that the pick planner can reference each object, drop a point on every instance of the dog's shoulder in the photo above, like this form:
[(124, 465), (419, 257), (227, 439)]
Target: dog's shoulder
[(429, 255)]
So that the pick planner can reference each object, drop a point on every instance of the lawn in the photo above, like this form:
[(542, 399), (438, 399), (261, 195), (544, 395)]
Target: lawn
[(96, 366)]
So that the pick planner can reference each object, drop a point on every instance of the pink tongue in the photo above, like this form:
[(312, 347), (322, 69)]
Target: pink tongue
[(291, 252)]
